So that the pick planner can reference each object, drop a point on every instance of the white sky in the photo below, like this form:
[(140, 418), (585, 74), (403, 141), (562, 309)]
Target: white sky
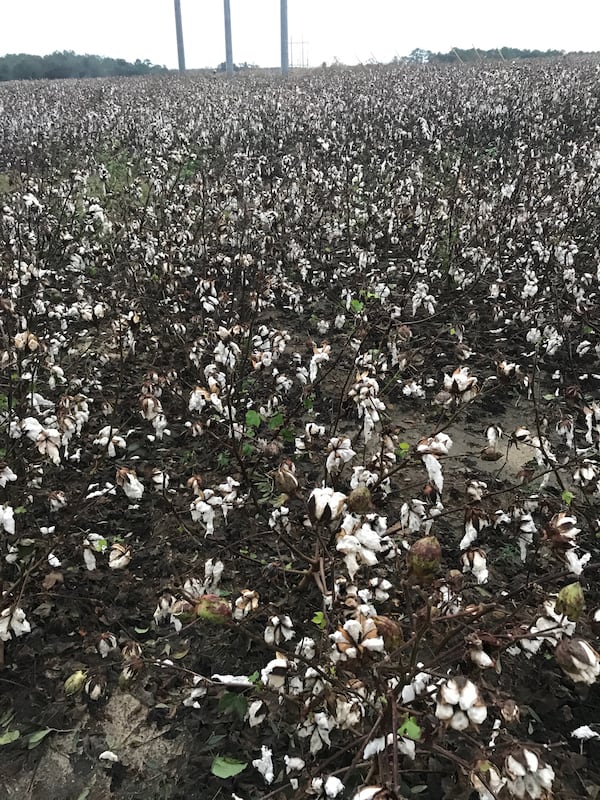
[(351, 30)]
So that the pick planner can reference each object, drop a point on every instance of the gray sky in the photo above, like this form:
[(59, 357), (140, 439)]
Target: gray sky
[(351, 30)]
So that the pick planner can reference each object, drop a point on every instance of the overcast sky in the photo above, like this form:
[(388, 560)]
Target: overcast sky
[(349, 30)]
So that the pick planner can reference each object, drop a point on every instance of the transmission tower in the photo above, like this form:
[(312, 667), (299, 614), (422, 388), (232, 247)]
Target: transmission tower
[(179, 31), (228, 45)]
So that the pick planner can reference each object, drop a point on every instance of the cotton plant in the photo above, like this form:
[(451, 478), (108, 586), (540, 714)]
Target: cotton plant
[(548, 627), (110, 440), (578, 660), (7, 518), (355, 638), (361, 539), (317, 730), (325, 505), (364, 392), (6, 475), (476, 520), (527, 775), (339, 452), (459, 704), (474, 561), (129, 482), (224, 497), (404, 745), (13, 623), (461, 386), (562, 533), (320, 356), (279, 629)]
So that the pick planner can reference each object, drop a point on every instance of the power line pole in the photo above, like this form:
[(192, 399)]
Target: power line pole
[(285, 61), (179, 31), (228, 45)]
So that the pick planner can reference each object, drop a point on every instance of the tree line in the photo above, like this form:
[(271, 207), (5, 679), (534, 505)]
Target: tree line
[(67, 64), (458, 55)]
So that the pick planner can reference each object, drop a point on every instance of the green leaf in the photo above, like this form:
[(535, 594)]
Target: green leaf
[(254, 677), (141, 630), (225, 767), (252, 418), (402, 450), (223, 459), (35, 738), (356, 306), (287, 435), (410, 729), (276, 421), (20, 510), (319, 620), (549, 397), (232, 703), (247, 449), (567, 497), (9, 736)]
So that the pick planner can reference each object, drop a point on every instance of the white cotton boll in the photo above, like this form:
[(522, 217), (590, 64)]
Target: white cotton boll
[(407, 747), (515, 768), (477, 714), (468, 695), (6, 475), (450, 692), (575, 564), (531, 760), (368, 538), (585, 732), (293, 764), (545, 777), (256, 714), (333, 786), (264, 764), (373, 747), (89, 559), (7, 519), (352, 564), (469, 537), (434, 471), (443, 711), (108, 755), (306, 648), (480, 658), (459, 721)]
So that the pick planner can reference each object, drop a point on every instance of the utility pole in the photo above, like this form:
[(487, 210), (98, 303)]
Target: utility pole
[(179, 31), (228, 45), (285, 62)]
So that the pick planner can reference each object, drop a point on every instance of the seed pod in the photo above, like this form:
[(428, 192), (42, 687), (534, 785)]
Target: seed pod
[(570, 601), (74, 682), (424, 558), (285, 477), (359, 500), (578, 660), (95, 687), (390, 632), (212, 608)]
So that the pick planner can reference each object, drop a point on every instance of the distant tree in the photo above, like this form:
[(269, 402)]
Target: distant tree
[(420, 56), (67, 64), (457, 55)]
